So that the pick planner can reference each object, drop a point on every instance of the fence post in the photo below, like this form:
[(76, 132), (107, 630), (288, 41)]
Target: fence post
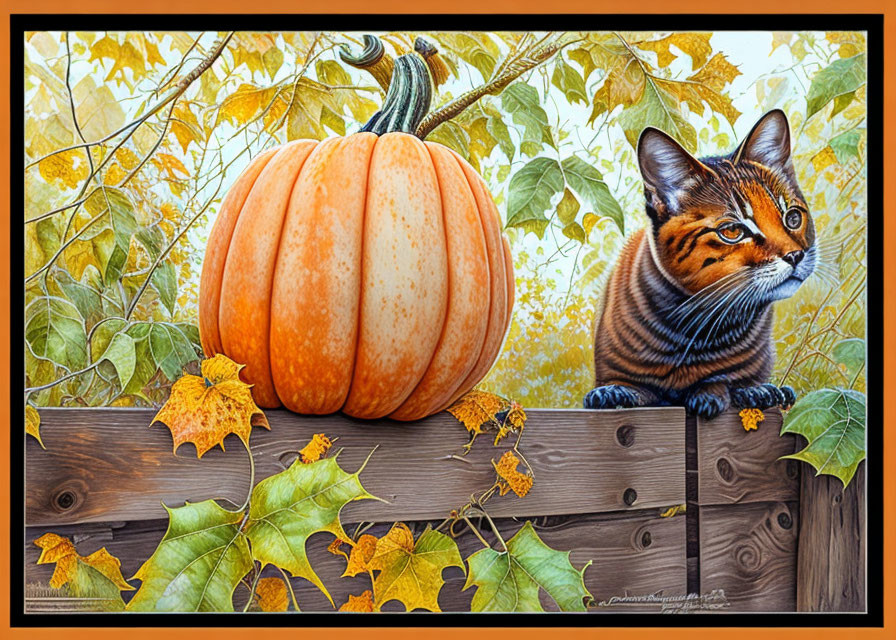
[(831, 557)]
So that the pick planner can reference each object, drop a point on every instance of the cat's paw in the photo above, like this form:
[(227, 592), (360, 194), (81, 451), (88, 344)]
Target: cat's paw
[(764, 396), (706, 404), (612, 396)]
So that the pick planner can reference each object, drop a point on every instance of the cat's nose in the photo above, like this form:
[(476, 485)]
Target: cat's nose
[(793, 258)]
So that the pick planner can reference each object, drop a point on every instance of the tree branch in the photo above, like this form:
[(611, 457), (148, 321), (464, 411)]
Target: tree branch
[(514, 70)]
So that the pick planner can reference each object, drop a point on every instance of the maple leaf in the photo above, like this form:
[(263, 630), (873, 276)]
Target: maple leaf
[(412, 572), (206, 409), (287, 508), (317, 448), (360, 604), (271, 595), (750, 418), (32, 424), (510, 580), (475, 409), (97, 576), (198, 563), (509, 477), (335, 548), (362, 552), (694, 44), (833, 422), (68, 168), (511, 420)]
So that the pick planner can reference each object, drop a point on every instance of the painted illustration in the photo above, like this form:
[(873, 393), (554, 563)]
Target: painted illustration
[(455, 321)]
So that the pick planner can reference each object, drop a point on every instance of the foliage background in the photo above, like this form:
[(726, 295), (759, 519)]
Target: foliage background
[(114, 238)]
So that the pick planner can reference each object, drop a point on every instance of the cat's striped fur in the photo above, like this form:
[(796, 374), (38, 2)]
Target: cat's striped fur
[(687, 313)]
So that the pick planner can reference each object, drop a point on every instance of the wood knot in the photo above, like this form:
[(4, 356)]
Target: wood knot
[(625, 435), (67, 499), (726, 471), (785, 520), (629, 496), (646, 539)]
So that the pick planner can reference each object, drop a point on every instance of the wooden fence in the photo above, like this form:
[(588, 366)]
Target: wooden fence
[(603, 479)]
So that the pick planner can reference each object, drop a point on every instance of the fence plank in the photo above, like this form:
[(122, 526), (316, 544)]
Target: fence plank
[(749, 551), (831, 561), (738, 466), (633, 552), (107, 465)]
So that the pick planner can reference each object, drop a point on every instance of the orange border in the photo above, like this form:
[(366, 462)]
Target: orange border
[(478, 6)]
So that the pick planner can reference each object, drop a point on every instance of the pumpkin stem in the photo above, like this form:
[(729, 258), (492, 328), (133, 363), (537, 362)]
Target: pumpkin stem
[(407, 100), (373, 59)]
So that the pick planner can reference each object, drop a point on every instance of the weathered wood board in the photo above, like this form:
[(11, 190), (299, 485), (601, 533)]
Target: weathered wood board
[(737, 466), (831, 561), (634, 552), (106, 465), (749, 551)]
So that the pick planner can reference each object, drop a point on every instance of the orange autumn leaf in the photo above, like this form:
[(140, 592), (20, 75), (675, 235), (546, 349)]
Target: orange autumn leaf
[(359, 604), (360, 556), (514, 421), (316, 449), (271, 595), (476, 409), (206, 409), (750, 418), (97, 575), (509, 478), (335, 548)]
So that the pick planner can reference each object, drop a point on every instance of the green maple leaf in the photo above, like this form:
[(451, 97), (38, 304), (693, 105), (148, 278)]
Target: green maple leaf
[(833, 421), (198, 563), (286, 509), (510, 580)]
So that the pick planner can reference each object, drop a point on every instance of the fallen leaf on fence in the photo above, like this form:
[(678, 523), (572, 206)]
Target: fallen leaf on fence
[(509, 478), (750, 418), (833, 421), (480, 411), (198, 563), (360, 604), (271, 595), (316, 449), (412, 572), (97, 576), (287, 508), (32, 423), (362, 552), (206, 409), (674, 510), (510, 581)]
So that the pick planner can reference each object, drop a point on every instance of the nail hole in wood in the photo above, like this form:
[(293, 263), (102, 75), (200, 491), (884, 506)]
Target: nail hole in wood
[(646, 539), (784, 520), (629, 496), (625, 435), (726, 472)]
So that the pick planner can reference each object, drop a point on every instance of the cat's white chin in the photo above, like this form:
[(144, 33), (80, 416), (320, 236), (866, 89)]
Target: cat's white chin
[(785, 289)]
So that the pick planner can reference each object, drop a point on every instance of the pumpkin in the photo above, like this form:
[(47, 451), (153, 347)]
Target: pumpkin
[(365, 274)]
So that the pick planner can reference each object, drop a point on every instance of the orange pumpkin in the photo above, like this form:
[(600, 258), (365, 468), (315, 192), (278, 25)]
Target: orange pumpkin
[(365, 274)]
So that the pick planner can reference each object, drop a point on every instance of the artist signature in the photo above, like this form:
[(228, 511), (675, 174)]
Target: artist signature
[(715, 600)]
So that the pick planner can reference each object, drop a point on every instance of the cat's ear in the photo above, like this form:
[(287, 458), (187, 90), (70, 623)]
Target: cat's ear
[(669, 171), (768, 143)]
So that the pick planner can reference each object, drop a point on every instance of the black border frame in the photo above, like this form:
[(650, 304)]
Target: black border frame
[(872, 23)]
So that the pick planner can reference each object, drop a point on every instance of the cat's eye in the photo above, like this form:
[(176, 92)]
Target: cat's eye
[(732, 233), (793, 219)]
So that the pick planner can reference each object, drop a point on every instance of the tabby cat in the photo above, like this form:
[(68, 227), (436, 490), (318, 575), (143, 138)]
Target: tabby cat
[(687, 313)]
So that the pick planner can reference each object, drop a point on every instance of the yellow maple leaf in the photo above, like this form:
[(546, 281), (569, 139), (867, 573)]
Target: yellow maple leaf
[(694, 44), (271, 594), (316, 449), (409, 571), (169, 164), (360, 604), (205, 409), (750, 418), (60, 550), (114, 174), (32, 423), (242, 105), (362, 552), (476, 408), (509, 478)]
